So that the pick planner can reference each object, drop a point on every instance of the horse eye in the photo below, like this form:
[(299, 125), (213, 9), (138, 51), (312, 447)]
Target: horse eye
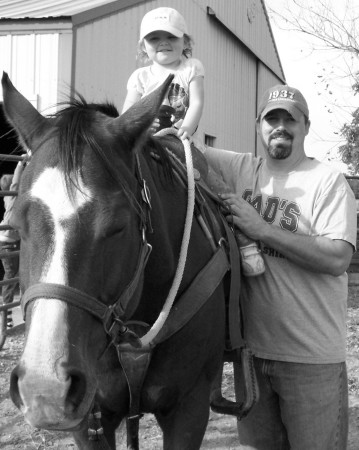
[(113, 232)]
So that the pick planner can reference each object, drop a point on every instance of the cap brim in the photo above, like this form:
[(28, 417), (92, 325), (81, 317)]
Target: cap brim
[(292, 109), (167, 28)]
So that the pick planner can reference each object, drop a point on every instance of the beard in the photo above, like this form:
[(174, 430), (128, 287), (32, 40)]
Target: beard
[(279, 151), (282, 149)]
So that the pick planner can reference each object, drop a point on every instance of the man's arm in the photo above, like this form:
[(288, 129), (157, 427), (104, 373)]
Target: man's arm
[(316, 253)]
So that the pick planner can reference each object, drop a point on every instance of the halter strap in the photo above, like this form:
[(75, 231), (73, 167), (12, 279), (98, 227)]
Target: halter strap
[(65, 293), (118, 311)]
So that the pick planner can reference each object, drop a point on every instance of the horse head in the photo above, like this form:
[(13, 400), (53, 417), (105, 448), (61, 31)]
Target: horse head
[(79, 215)]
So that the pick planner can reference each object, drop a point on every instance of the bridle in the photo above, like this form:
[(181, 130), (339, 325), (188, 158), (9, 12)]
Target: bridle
[(114, 316)]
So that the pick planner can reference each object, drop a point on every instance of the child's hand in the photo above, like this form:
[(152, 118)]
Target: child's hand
[(154, 126), (183, 133)]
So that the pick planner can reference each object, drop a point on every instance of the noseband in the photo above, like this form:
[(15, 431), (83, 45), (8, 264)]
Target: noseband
[(114, 316)]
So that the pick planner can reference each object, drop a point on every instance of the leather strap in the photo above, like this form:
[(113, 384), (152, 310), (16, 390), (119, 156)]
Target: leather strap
[(234, 311), (86, 302), (192, 300), (65, 293), (134, 364)]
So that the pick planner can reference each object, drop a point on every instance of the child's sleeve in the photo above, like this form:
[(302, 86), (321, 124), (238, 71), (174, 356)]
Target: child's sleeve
[(197, 69), (134, 83)]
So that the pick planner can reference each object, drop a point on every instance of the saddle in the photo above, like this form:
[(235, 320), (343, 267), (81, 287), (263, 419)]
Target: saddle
[(209, 213)]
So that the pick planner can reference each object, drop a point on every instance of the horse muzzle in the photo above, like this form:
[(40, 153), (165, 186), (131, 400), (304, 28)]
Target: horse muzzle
[(51, 404)]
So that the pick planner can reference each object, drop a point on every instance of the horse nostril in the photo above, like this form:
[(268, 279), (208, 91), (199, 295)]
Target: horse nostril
[(77, 390), (14, 387)]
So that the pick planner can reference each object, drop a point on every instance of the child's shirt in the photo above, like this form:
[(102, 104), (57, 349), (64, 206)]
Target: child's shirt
[(145, 81)]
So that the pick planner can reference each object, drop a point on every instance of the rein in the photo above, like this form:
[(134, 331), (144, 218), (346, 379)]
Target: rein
[(156, 327)]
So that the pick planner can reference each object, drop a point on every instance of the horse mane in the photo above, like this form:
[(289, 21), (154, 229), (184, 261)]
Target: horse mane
[(75, 130)]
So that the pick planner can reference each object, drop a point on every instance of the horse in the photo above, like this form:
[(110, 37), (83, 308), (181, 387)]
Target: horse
[(101, 214)]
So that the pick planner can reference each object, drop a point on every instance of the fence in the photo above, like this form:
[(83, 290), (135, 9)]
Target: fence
[(14, 254)]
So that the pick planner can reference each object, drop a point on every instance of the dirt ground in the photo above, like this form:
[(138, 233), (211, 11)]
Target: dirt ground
[(221, 434)]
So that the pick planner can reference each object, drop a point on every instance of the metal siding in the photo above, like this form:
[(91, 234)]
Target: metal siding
[(64, 66), (46, 72), (248, 20), (230, 90), (5, 53), (31, 62)]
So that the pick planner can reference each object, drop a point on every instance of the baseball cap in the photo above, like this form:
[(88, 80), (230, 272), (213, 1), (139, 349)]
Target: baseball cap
[(163, 19), (283, 97)]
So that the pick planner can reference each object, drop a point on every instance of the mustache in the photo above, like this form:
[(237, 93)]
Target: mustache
[(281, 134)]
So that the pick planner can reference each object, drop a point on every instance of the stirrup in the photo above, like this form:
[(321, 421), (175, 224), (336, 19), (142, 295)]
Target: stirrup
[(221, 405)]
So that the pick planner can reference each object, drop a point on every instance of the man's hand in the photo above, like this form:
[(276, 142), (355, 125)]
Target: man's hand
[(245, 217), (315, 253)]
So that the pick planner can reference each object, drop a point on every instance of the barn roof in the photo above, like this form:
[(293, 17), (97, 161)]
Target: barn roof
[(44, 9)]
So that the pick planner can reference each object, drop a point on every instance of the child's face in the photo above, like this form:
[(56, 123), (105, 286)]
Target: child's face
[(163, 48)]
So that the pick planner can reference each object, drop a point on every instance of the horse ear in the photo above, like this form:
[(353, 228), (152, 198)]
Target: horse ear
[(137, 119), (29, 124)]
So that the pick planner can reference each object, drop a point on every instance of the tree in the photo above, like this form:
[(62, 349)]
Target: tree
[(350, 150), (333, 25)]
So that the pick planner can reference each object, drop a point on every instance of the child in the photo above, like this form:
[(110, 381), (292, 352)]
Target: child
[(165, 42)]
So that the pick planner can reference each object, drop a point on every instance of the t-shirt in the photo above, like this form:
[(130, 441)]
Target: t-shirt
[(144, 80), (291, 313)]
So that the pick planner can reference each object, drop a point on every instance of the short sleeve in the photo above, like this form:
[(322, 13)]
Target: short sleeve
[(236, 169), (197, 68), (134, 82), (335, 212)]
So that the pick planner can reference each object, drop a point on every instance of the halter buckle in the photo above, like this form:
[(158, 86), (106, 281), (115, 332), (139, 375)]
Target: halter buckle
[(120, 333)]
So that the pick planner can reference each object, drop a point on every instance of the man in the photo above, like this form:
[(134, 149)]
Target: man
[(10, 239), (304, 215)]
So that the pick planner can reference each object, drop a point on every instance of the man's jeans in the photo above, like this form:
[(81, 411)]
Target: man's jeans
[(301, 407)]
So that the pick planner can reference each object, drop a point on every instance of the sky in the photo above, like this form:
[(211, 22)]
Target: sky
[(321, 75)]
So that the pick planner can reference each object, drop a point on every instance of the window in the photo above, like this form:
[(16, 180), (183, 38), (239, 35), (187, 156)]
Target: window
[(209, 140)]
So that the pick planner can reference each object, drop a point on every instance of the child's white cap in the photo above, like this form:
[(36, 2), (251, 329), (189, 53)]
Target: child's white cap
[(163, 19)]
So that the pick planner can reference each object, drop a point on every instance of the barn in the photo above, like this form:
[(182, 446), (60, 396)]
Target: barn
[(53, 48)]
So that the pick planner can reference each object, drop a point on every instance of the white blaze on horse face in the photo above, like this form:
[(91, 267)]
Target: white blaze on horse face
[(50, 189), (47, 340)]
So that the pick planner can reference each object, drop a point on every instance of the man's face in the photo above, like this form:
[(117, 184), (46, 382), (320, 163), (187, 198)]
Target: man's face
[(280, 133)]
